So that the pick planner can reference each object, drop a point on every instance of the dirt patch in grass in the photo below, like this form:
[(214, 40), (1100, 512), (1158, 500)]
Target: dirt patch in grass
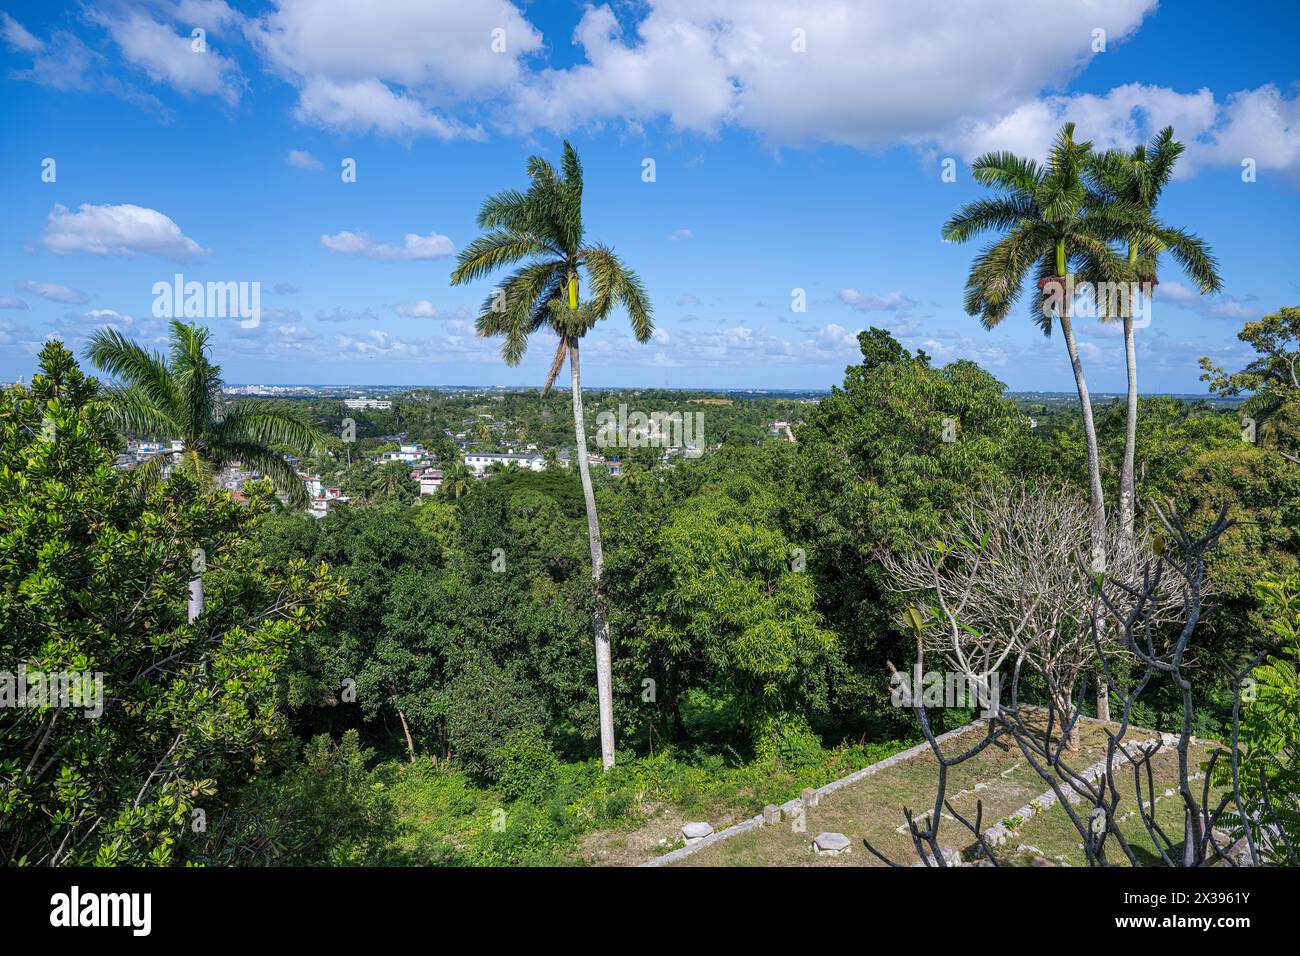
[(660, 834), (630, 847)]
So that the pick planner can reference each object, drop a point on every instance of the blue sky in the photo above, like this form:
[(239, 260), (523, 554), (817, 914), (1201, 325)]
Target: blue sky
[(776, 169)]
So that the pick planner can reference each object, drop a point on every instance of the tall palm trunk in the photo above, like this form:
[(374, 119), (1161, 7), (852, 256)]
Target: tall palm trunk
[(190, 462), (1096, 503), (604, 664), (1127, 485), (1127, 482)]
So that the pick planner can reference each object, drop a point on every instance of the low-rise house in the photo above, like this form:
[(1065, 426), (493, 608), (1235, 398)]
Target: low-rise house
[(329, 498), (781, 428), (430, 480), (407, 453), (478, 462)]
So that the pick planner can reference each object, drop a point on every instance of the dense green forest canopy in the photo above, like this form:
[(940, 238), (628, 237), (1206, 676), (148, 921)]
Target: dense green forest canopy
[(375, 684)]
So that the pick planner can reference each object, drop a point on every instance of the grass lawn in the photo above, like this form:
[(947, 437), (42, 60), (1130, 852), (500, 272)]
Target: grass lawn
[(1053, 829), (627, 816), (871, 809)]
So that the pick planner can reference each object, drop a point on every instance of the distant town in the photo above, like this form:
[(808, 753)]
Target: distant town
[(411, 441)]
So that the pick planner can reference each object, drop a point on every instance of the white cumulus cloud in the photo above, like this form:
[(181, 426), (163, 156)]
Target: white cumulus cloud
[(395, 67), (121, 230), (172, 58), (414, 246), (302, 159), (423, 309)]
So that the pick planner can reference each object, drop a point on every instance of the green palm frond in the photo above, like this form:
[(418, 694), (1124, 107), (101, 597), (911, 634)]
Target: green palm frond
[(1194, 255), (1068, 155), (542, 173), (257, 457), (1044, 268), (1007, 171), (198, 380), (613, 283), (149, 474), (571, 218), (507, 209), (516, 314), (981, 215), (131, 409), (263, 422), (492, 250), (113, 353), (998, 272), (1161, 156)]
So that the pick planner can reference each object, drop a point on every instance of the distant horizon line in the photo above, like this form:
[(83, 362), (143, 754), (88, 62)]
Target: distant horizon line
[(678, 388), (390, 389)]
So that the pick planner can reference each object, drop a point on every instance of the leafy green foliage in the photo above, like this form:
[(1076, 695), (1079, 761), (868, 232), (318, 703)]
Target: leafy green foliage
[(1270, 722), (874, 470), (326, 809), (1272, 375), (93, 579), (527, 766)]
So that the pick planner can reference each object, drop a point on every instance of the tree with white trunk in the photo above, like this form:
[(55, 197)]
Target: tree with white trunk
[(543, 228), (1052, 224)]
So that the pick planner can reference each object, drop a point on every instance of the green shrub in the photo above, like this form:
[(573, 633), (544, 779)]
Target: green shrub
[(789, 741), (326, 809), (482, 703), (527, 768), (616, 805)]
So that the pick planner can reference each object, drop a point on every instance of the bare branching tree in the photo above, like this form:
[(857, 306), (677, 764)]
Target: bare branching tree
[(1012, 578), (997, 581)]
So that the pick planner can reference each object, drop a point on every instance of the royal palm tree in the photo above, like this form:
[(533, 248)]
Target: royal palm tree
[(1049, 223), (179, 396), (1134, 182), (543, 228), (1052, 223)]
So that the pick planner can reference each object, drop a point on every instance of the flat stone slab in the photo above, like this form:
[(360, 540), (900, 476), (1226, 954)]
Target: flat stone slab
[(695, 832), (831, 844), (950, 858)]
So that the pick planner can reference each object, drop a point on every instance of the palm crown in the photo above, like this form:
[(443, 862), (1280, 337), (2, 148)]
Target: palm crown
[(180, 396), (1134, 181), (1050, 222), (544, 227)]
